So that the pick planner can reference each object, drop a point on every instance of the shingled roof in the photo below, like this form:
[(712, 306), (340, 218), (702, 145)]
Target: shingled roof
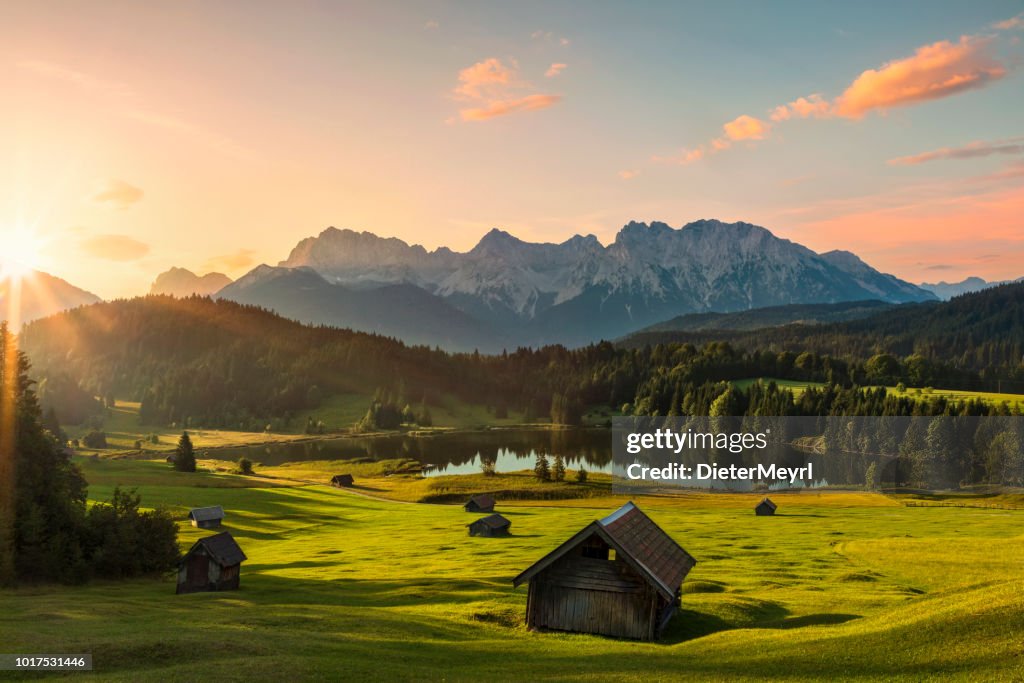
[(638, 541), (206, 514), (494, 521), (221, 548), (484, 500)]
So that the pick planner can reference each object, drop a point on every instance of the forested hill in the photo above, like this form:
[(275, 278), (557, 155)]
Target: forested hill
[(219, 363), (980, 331), (225, 364)]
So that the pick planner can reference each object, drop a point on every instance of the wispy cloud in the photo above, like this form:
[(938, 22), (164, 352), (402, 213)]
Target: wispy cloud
[(629, 174), (971, 150), (933, 72), (1011, 24), (115, 247), (117, 193), (430, 25), (555, 69), (491, 88)]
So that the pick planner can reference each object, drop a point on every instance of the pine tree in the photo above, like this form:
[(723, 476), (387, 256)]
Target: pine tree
[(185, 455), (541, 469), (558, 470)]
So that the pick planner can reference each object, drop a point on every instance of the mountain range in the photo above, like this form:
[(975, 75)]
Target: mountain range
[(42, 295), (181, 282), (948, 290), (506, 292)]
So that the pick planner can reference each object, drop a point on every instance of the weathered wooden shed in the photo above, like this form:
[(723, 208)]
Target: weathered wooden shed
[(765, 507), (340, 480), (207, 518), (482, 503), (213, 564), (619, 576), (491, 525)]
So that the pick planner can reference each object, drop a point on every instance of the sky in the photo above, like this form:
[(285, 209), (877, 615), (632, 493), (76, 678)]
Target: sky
[(214, 136)]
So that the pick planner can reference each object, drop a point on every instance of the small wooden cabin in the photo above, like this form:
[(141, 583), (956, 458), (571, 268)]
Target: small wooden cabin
[(619, 576), (340, 480), (765, 507), (491, 525), (482, 503), (207, 518), (213, 564)]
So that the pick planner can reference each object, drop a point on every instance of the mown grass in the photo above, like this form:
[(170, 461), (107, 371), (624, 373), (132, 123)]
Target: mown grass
[(842, 586)]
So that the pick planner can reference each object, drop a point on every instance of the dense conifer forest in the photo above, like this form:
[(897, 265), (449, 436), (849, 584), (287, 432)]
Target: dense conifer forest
[(200, 362)]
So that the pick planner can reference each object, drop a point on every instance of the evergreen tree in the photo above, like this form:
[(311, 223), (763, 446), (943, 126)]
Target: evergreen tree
[(541, 469), (581, 475), (558, 469), (184, 454)]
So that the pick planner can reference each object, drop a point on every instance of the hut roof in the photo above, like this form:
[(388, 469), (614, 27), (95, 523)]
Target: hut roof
[(484, 500), (342, 477), (494, 521), (221, 548), (206, 514), (638, 541), (768, 502)]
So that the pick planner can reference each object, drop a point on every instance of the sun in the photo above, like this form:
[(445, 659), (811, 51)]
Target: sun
[(20, 252)]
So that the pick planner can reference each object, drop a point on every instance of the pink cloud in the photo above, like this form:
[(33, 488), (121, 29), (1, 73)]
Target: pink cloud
[(971, 150), (933, 72), (555, 69), (492, 89), (628, 174), (1010, 24), (746, 128), (504, 107), (802, 108), (475, 80)]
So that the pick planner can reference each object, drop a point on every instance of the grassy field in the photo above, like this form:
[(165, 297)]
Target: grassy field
[(345, 587), (798, 387)]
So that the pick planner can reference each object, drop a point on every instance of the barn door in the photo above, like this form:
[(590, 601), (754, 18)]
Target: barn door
[(199, 570)]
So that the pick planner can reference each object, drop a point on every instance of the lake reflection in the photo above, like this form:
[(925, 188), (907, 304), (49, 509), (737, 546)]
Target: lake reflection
[(446, 453)]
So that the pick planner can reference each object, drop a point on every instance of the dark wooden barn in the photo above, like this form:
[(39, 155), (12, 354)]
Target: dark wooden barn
[(482, 503), (765, 507), (340, 480), (213, 564), (620, 576), (207, 518), (491, 525)]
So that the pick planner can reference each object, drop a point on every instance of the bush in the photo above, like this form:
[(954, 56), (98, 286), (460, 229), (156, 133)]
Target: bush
[(95, 439), (581, 476), (244, 466), (487, 468)]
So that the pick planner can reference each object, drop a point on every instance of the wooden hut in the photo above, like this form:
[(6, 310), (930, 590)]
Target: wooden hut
[(765, 507), (207, 518), (491, 525), (340, 480), (482, 503), (213, 564), (619, 576)]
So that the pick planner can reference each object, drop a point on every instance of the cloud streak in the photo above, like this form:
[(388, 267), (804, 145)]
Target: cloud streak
[(972, 150), (491, 88), (555, 69), (118, 193), (935, 71)]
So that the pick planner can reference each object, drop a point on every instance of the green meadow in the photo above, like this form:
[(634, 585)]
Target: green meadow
[(341, 586), (993, 398)]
